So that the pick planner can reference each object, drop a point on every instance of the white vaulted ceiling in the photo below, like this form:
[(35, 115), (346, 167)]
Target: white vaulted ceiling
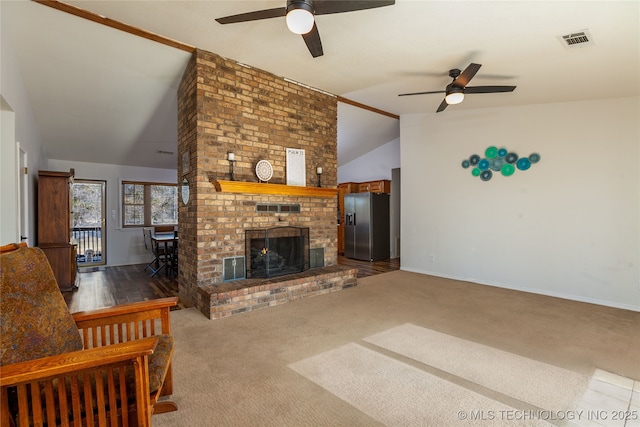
[(103, 95)]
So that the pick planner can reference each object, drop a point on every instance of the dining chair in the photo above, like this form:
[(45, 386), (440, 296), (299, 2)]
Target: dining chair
[(160, 256), (164, 229)]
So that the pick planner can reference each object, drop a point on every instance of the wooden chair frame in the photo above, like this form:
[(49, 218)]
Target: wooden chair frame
[(115, 339)]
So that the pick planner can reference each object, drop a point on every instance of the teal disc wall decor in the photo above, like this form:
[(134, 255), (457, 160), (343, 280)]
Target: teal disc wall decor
[(498, 160), (523, 164), (511, 157), (491, 152), (496, 163), (507, 169)]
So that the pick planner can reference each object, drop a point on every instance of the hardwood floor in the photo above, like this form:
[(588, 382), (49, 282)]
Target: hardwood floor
[(367, 268), (109, 286)]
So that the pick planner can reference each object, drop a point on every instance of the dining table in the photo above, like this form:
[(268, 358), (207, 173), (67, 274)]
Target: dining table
[(169, 241)]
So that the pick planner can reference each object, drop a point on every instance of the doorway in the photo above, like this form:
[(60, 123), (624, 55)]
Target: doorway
[(23, 202), (89, 221)]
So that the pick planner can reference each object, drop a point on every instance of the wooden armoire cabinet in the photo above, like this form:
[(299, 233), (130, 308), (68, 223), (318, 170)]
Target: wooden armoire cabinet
[(55, 226)]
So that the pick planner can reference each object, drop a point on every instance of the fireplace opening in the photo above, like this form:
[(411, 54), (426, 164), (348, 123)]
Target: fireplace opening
[(276, 251)]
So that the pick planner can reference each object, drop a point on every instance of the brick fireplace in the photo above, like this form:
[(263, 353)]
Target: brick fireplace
[(276, 251), (224, 107)]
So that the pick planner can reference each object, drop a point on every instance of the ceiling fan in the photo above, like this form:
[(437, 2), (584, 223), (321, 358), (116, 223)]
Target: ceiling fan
[(456, 90), (300, 16)]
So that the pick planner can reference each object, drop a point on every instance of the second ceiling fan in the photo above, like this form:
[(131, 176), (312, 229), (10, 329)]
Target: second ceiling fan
[(456, 90), (300, 16)]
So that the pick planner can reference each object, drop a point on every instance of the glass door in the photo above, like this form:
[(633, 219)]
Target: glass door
[(89, 221)]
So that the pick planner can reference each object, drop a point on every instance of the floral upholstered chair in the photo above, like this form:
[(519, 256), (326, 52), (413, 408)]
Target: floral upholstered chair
[(104, 367)]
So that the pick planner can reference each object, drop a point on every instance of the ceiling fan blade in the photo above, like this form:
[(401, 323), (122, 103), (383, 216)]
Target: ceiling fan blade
[(325, 7), (253, 16), (488, 89), (442, 106), (422, 93), (312, 39), (466, 75)]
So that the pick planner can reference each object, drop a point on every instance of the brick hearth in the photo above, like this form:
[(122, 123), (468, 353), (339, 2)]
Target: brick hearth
[(241, 296)]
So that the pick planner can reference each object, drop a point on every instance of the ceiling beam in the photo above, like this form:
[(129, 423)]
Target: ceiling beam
[(82, 13), (367, 107), (85, 14)]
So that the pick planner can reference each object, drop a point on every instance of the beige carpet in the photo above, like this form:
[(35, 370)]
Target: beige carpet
[(398, 394), (540, 384), (239, 371)]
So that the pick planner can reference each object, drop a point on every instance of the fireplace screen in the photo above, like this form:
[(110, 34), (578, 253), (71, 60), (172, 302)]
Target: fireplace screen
[(276, 251)]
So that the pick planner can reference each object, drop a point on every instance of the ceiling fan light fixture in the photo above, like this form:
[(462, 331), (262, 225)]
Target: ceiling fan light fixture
[(454, 96), (300, 18)]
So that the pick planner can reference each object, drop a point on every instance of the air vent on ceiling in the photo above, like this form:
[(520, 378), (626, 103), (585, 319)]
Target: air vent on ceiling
[(165, 152), (580, 38)]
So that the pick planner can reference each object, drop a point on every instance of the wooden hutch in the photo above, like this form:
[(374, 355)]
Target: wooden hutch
[(55, 226)]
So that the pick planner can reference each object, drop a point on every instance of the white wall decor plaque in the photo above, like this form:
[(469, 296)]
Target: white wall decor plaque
[(296, 174)]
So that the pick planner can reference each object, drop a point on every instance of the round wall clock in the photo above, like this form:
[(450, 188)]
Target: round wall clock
[(264, 170)]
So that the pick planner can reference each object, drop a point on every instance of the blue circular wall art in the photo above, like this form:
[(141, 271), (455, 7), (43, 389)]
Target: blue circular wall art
[(496, 163), (523, 164), (511, 157), (498, 160), (486, 175)]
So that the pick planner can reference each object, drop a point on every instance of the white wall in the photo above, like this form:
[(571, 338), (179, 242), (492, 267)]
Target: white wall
[(18, 125), (124, 245), (374, 165), (567, 227), (9, 224)]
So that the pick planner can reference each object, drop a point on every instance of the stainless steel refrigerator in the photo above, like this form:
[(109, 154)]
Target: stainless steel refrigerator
[(366, 226)]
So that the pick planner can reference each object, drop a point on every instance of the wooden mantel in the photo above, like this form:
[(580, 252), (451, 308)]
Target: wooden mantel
[(279, 189)]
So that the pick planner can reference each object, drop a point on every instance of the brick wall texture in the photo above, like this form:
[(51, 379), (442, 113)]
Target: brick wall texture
[(223, 107)]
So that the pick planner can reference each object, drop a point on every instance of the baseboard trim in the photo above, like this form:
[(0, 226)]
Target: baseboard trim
[(578, 298)]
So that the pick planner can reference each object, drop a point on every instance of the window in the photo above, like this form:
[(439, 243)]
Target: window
[(147, 204)]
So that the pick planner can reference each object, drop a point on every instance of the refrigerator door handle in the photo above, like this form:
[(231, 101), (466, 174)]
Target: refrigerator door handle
[(350, 219)]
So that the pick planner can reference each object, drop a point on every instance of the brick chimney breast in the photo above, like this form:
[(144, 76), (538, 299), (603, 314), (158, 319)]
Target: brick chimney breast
[(224, 106)]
